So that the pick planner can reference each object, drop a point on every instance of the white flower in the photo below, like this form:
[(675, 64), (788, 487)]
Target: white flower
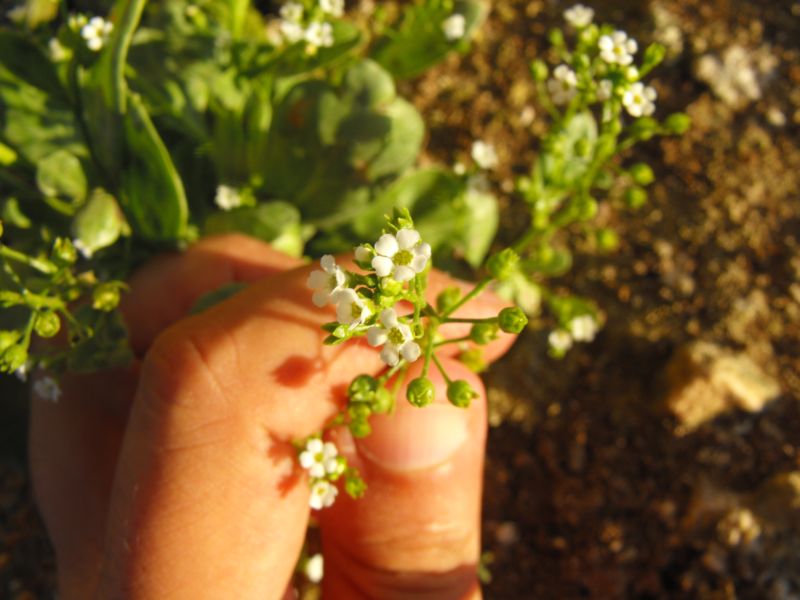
[(605, 89), (563, 85), (363, 254), (320, 459), (315, 568), (400, 256), (327, 281), (617, 48), (292, 32), (454, 27), (292, 11), (395, 337), (579, 16), (47, 388), (350, 307), (334, 8), (638, 99), (227, 197), (560, 340), (323, 494), (96, 33), (484, 155), (583, 328), (319, 35)]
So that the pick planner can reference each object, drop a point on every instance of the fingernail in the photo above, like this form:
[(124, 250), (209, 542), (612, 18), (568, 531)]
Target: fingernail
[(414, 438)]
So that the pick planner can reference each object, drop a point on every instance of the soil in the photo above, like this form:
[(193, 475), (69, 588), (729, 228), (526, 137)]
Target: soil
[(592, 490)]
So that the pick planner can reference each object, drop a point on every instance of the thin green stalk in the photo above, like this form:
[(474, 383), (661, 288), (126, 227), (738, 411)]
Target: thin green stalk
[(45, 267), (479, 287), (131, 15), (466, 338), (441, 370)]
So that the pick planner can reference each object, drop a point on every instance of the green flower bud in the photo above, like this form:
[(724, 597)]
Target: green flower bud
[(359, 411), (642, 174), (556, 37), (359, 429), (64, 251), (391, 287), (502, 265), (47, 324), (383, 401), (483, 333), (653, 55), (644, 128), (635, 197), (678, 123), (362, 389), (14, 357), (105, 297), (473, 360), (583, 147), (353, 484), (460, 393), (607, 240), (447, 299), (539, 70), (420, 392), (512, 319), (586, 208)]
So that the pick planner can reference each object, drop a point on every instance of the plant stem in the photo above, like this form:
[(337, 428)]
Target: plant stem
[(40, 265), (441, 370), (479, 287), (131, 14)]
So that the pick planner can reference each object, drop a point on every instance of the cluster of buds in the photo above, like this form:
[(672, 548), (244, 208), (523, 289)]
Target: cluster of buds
[(308, 23), (601, 68)]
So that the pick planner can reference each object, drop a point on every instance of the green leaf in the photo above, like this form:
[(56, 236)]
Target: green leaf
[(402, 142), (99, 223), (367, 84), (221, 294), (274, 222), (151, 191), (61, 174)]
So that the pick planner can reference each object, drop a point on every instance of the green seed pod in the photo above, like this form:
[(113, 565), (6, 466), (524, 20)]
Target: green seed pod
[(635, 197), (362, 389), (556, 37), (653, 55), (460, 393), (642, 174), (586, 208), (678, 123), (539, 70), (607, 240), (502, 265), (47, 324), (447, 299), (105, 297), (483, 333), (512, 319), (420, 392)]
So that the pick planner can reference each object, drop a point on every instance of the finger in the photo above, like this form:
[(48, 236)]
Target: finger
[(166, 288), (208, 501), (416, 532)]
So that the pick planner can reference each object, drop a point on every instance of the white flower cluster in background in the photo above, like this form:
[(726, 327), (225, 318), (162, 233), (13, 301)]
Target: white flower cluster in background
[(324, 466), (298, 25), (393, 261), (484, 155), (47, 388), (96, 33), (583, 328), (579, 16), (227, 197), (563, 85), (454, 27)]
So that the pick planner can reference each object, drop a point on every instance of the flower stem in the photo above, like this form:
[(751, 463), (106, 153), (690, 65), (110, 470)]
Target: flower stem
[(479, 287), (43, 266)]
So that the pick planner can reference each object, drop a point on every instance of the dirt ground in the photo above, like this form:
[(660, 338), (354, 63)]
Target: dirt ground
[(593, 488)]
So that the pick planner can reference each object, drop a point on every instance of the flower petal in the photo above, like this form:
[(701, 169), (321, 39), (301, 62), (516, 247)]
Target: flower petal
[(328, 263), (410, 351), (388, 318), (389, 355), (387, 245), (320, 298), (376, 336), (407, 238), (383, 266), (403, 273), (363, 254), (317, 280), (418, 263)]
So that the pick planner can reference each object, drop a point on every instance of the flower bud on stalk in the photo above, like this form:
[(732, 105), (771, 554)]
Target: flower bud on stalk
[(460, 393), (420, 392), (512, 319)]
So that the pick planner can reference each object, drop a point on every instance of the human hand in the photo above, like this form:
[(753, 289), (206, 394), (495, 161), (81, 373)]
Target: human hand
[(176, 478)]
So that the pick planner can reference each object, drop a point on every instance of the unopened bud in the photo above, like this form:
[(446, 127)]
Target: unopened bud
[(105, 297), (512, 319), (642, 174), (502, 265), (460, 393), (47, 324), (483, 333), (447, 299), (678, 123), (420, 392)]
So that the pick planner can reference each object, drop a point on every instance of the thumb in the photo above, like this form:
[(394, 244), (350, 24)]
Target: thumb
[(416, 532)]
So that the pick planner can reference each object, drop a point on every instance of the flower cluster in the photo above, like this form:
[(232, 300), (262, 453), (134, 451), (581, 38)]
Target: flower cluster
[(602, 68), (94, 31), (582, 328), (324, 466), (454, 27), (308, 24)]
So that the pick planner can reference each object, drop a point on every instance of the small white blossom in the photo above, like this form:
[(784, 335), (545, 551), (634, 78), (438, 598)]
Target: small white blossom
[(47, 388), (323, 494), (292, 32), (395, 337), (454, 27), (320, 459), (617, 48), (96, 33), (563, 85), (484, 155), (459, 168), (363, 254), (605, 89), (400, 256), (560, 340), (350, 307), (639, 99), (227, 197), (315, 568), (292, 11), (327, 281), (335, 8), (583, 328), (319, 35), (579, 16)]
